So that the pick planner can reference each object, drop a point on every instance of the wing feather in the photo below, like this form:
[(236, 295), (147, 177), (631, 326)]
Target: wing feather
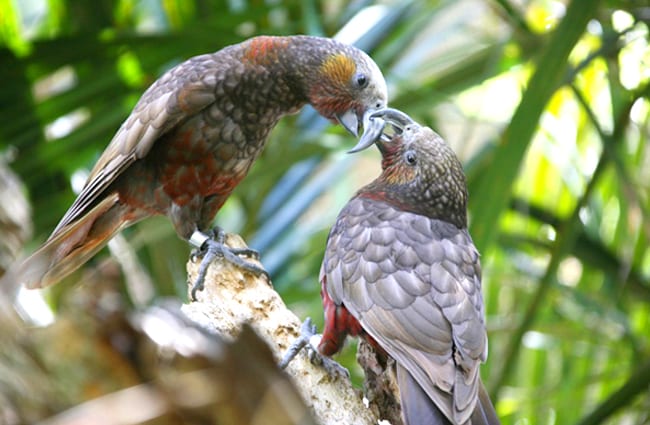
[(414, 285), (179, 94)]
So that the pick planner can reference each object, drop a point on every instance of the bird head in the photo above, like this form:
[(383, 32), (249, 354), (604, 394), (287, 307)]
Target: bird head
[(420, 172), (347, 87)]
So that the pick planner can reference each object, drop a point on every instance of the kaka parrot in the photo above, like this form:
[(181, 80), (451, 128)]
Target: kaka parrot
[(193, 136), (401, 270)]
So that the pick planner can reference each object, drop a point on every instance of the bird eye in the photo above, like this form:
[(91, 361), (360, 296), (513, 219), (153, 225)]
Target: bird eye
[(410, 157), (361, 80)]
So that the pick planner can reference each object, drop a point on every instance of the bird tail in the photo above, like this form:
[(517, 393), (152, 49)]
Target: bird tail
[(71, 246), (484, 413), (419, 409)]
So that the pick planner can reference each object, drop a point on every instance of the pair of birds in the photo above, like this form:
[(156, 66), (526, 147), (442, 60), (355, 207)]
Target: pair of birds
[(400, 268)]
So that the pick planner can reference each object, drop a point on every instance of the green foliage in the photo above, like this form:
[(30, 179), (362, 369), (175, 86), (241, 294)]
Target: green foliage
[(546, 103)]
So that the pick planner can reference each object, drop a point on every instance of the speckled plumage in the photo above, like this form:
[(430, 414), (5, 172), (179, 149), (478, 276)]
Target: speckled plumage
[(194, 134), (400, 269)]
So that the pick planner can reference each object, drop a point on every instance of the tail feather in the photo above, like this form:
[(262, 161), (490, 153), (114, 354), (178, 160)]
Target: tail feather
[(419, 409), (71, 246), (484, 413)]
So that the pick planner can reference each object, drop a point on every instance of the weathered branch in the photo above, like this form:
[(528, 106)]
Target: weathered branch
[(232, 297), (103, 363)]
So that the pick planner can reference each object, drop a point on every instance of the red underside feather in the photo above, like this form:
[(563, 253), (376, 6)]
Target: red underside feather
[(339, 323)]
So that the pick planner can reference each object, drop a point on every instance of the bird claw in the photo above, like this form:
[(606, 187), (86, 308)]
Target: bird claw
[(211, 246), (309, 340), (333, 368), (307, 332), (196, 253)]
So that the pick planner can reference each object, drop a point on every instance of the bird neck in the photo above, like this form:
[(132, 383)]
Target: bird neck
[(294, 61), (434, 201), (264, 50), (269, 68), (317, 70)]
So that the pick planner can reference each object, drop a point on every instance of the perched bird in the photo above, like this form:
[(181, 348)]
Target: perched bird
[(401, 270), (193, 136)]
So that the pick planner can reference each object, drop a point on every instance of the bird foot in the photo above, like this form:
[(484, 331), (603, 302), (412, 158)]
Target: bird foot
[(307, 332), (213, 245), (309, 340)]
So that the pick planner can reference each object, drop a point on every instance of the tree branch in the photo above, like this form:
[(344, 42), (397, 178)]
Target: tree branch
[(232, 297)]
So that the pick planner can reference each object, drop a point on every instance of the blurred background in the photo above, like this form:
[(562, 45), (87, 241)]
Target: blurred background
[(545, 102)]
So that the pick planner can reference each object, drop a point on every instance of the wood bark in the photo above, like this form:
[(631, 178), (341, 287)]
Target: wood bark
[(209, 361), (232, 297)]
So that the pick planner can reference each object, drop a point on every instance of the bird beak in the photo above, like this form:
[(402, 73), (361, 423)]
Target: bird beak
[(350, 121), (373, 128), (374, 124)]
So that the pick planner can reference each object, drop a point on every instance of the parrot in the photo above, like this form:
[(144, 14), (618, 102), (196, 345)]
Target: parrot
[(194, 134), (401, 271)]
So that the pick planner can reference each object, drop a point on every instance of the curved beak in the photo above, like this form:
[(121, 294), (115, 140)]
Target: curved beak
[(350, 121), (373, 128), (375, 124)]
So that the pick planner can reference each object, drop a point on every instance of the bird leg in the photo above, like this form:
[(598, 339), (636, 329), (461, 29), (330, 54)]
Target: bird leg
[(307, 332), (309, 340), (213, 245)]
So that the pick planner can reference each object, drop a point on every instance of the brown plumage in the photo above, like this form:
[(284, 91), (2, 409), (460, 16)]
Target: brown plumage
[(401, 270), (194, 134)]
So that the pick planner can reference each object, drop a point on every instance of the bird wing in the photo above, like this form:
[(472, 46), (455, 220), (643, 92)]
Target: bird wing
[(176, 96), (414, 285)]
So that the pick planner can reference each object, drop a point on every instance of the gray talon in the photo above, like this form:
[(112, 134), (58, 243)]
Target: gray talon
[(211, 246)]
